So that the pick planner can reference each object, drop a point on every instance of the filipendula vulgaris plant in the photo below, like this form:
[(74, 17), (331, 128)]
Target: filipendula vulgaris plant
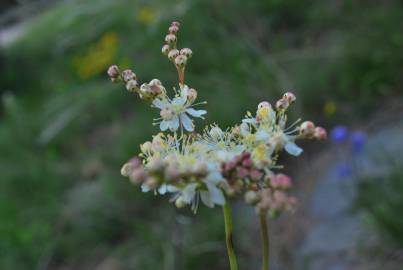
[(216, 164)]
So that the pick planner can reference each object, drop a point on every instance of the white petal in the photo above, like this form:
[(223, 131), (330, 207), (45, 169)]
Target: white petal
[(144, 188), (293, 149), (162, 189), (178, 101), (174, 123), (159, 104), (206, 198), (164, 125), (216, 194), (189, 192), (262, 135), (186, 122), (196, 113)]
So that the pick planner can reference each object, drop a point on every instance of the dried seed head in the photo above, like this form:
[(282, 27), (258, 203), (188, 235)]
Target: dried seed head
[(173, 54), (165, 49), (186, 52), (181, 60), (170, 38)]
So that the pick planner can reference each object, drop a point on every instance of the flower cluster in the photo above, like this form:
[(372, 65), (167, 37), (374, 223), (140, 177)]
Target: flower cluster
[(215, 164)]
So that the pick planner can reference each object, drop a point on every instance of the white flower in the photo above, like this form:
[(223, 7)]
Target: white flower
[(181, 111)]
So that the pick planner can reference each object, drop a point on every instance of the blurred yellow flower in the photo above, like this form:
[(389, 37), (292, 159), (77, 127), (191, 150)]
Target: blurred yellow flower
[(146, 15), (330, 108), (97, 58)]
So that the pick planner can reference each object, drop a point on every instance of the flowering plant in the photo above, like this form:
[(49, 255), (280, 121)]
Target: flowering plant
[(216, 164)]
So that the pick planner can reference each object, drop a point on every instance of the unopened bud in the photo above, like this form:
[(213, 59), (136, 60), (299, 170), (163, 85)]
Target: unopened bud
[(173, 54), (263, 104), (175, 23), (131, 85), (251, 197), (191, 95), (128, 167), (128, 75), (180, 203), (307, 129), (282, 104), (146, 147), (186, 52), (181, 60), (290, 97), (170, 38), (137, 176), (151, 183), (113, 71), (165, 49), (173, 29), (320, 133)]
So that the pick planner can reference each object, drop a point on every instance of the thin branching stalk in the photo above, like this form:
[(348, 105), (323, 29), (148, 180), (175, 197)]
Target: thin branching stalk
[(228, 236), (265, 241)]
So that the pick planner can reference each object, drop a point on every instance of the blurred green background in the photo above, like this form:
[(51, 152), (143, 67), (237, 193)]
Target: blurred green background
[(65, 130)]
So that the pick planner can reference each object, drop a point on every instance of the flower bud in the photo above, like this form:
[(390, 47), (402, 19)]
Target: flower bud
[(170, 38), (128, 75), (255, 174), (151, 183), (186, 52), (146, 147), (251, 197), (181, 60), (280, 181), (180, 203), (131, 85), (307, 129), (173, 54), (290, 97), (320, 133), (175, 23), (191, 95), (155, 165), (113, 72), (137, 176), (128, 167), (173, 29), (165, 49), (166, 114), (263, 104), (282, 104)]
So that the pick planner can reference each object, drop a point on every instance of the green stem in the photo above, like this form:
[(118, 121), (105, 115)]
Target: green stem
[(228, 236), (265, 241)]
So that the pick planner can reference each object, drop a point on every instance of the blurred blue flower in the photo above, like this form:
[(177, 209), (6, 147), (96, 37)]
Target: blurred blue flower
[(357, 139), (344, 170), (339, 134)]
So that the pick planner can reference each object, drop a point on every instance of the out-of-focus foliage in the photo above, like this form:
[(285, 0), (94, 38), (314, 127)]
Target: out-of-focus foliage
[(380, 197), (65, 129)]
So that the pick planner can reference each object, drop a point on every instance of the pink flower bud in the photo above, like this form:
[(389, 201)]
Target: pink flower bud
[(320, 133), (175, 23), (247, 163), (113, 72), (242, 172), (173, 54), (129, 166), (186, 52), (128, 75), (263, 104), (137, 176), (255, 175), (282, 104), (131, 85), (290, 97), (151, 183), (165, 49), (181, 60), (307, 129), (280, 181), (170, 38), (173, 29)]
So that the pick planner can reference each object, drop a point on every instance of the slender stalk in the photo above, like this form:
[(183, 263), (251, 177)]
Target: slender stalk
[(228, 236), (265, 241)]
